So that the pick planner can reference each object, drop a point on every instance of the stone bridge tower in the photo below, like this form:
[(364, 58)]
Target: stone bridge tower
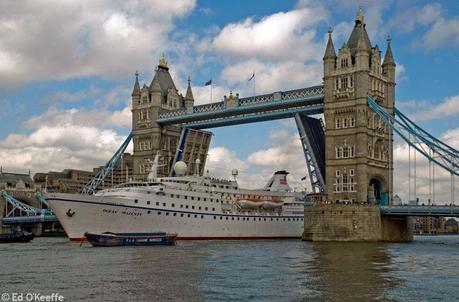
[(359, 161), (150, 138)]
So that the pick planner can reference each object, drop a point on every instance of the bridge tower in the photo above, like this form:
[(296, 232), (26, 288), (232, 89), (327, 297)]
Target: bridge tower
[(359, 163), (149, 137)]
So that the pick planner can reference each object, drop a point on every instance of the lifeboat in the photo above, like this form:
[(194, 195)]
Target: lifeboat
[(265, 202), (249, 204), (269, 205)]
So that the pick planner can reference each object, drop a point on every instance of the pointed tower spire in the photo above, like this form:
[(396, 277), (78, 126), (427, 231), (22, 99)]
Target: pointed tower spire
[(189, 99), (388, 58), (189, 93), (136, 90), (330, 50)]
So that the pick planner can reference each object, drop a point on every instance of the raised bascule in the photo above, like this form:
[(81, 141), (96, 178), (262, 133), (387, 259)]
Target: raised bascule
[(349, 154)]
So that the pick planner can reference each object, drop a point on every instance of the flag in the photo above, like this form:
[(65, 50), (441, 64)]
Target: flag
[(209, 82), (253, 75)]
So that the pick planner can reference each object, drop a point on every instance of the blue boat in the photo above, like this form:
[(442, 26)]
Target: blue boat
[(131, 239)]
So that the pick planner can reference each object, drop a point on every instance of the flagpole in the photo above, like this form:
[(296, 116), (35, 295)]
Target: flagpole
[(254, 84)]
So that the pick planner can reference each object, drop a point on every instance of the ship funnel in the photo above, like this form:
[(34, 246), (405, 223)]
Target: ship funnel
[(278, 182)]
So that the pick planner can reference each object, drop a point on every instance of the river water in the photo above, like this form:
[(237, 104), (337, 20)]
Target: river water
[(272, 270)]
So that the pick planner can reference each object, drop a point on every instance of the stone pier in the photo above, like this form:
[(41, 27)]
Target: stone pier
[(353, 222)]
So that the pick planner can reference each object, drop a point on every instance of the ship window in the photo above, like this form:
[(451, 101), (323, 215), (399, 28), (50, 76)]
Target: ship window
[(173, 205), (238, 218), (232, 218), (175, 214), (178, 196), (206, 208), (136, 201), (192, 207), (226, 217), (264, 219), (189, 215), (164, 204), (199, 208), (221, 217), (195, 216), (148, 212), (157, 203), (192, 197), (202, 216), (199, 198), (167, 213), (186, 197), (181, 206), (259, 219), (271, 219), (211, 200), (205, 199), (215, 217), (172, 195), (159, 213), (254, 219), (283, 219), (213, 209), (181, 215), (186, 206)]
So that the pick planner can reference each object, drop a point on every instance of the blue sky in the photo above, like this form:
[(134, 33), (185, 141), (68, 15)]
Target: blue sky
[(67, 70)]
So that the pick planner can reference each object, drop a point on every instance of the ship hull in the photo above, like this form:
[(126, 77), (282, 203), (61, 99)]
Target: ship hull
[(79, 214)]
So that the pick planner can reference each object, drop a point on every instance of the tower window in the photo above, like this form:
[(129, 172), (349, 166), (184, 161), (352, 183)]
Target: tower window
[(344, 82), (338, 123), (351, 122)]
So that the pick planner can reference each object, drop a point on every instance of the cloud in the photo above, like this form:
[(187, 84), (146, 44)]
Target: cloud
[(278, 36), (442, 33), (82, 117), (52, 39), (284, 153), (448, 107), (400, 73), (58, 148)]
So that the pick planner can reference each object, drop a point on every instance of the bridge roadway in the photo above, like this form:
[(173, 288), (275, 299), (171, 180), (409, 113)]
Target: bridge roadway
[(418, 210), (277, 105)]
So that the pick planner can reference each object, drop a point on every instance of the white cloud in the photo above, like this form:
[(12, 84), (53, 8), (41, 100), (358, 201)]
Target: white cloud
[(82, 117), (448, 107), (271, 76), (443, 32), (283, 35), (284, 153), (62, 40)]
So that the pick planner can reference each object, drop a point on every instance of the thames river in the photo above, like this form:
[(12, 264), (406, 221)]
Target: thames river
[(280, 270)]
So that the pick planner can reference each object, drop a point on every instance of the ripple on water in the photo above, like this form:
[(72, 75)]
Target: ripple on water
[(271, 270)]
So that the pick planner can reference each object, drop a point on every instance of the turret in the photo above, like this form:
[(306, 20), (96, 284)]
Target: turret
[(136, 91), (330, 55), (362, 52), (389, 63), (155, 91), (189, 99)]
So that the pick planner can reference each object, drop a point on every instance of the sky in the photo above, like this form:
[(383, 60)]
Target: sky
[(67, 71)]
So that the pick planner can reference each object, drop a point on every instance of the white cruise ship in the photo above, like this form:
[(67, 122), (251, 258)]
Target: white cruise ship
[(194, 207)]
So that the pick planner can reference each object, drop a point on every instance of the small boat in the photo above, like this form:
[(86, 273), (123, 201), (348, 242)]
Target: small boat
[(16, 236), (130, 239)]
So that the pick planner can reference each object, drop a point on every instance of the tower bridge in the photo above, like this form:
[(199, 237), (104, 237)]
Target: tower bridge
[(349, 155)]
